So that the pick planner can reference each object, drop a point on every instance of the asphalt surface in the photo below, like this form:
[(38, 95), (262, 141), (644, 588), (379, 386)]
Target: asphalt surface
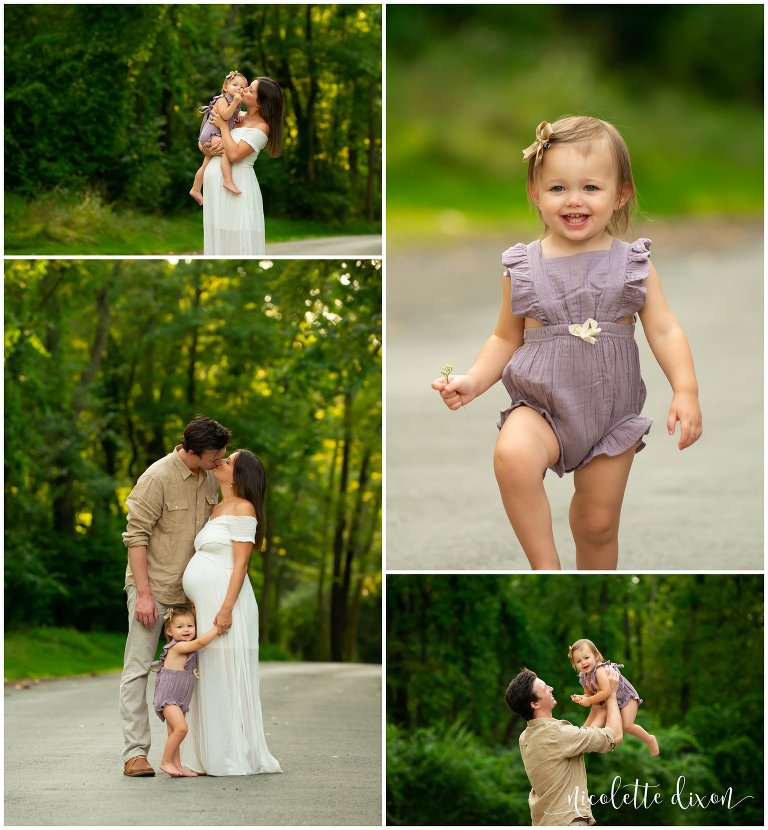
[(340, 246), (699, 509), (323, 722)]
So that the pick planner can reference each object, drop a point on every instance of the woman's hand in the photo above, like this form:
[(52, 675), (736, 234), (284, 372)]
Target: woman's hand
[(458, 391), (685, 408), (215, 147), (223, 620), (218, 121)]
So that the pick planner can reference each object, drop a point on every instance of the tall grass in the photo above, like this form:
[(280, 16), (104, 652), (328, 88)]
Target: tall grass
[(77, 224)]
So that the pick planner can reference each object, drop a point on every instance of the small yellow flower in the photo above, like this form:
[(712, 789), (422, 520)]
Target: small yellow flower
[(446, 370)]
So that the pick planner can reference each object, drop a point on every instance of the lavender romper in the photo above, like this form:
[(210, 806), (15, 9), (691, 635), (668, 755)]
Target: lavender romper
[(208, 130), (591, 394), (174, 686), (624, 693)]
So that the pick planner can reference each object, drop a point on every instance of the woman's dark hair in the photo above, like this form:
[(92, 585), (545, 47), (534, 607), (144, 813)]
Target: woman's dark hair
[(271, 107), (520, 695), (203, 433), (249, 481)]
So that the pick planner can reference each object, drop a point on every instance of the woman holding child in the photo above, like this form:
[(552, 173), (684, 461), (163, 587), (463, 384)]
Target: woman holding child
[(233, 223)]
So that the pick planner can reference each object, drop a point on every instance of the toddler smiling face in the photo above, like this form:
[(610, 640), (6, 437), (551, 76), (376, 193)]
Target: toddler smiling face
[(577, 191)]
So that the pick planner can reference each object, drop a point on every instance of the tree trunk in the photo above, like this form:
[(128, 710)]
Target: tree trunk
[(324, 645), (338, 597)]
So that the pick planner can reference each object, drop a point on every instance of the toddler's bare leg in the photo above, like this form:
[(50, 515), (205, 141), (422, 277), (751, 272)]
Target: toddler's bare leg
[(226, 173), (596, 510), (197, 185), (177, 731), (526, 446), (628, 715)]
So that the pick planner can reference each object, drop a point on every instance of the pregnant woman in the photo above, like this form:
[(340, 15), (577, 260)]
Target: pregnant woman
[(233, 224), (226, 732)]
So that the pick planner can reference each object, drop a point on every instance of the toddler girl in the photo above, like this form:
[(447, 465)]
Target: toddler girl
[(590, 665), (177, 669), (228, 106), (564, 346)]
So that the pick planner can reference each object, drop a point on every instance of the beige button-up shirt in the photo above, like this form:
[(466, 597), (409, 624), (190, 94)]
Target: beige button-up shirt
[(166, 509), (553, 756)]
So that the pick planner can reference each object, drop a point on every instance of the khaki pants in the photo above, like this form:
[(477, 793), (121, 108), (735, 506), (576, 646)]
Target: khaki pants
[(140, 648)]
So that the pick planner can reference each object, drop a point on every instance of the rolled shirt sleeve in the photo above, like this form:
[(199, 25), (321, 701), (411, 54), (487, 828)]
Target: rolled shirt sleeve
[(145, 506), (577, 741)]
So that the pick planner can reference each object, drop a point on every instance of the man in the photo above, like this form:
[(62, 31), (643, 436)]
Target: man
[(169, 505), (553, 750)]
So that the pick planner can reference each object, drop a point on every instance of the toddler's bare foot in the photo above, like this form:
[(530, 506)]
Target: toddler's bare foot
[(197, 196), (653, 746), (170, 769), (231, 187), (187, 773)]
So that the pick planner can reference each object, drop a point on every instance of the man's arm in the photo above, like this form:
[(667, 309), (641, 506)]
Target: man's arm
[(613, 713), (146, 607), (145, 506)]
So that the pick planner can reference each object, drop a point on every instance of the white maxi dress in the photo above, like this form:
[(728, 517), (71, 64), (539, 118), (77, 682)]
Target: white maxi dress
[(234, 225), (226, 732)]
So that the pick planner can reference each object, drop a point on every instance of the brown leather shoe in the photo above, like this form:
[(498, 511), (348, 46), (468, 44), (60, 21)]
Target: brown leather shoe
[(137, 766)]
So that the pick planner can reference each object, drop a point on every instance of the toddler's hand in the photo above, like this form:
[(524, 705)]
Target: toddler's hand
[(580, 699), (685, 408), (457, 391)]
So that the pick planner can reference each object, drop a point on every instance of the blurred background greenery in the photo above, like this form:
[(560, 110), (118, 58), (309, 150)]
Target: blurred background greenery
[(106, 361), (691, 645), (101, 120), (467, 85)]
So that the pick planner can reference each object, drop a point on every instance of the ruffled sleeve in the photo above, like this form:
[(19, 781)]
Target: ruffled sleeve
[(256, 138), (525, 302), (638, 259), (242, 528)]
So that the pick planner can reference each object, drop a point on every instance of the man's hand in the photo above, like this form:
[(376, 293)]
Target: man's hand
[(613, 678), (146, 610)]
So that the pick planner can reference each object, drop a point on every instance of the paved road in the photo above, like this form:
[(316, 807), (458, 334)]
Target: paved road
[(696, 510), (323, 721), (341, 246)]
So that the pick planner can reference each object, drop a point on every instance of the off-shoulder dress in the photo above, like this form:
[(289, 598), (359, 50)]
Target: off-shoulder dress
[(226, 730)]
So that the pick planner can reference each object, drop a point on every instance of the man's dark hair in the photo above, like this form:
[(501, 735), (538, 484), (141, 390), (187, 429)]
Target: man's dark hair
[(203, 433), (520, 695)]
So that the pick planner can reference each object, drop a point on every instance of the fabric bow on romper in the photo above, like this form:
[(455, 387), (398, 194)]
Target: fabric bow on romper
[(581, 369)]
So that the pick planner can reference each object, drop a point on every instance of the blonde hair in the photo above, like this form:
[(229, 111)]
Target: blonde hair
[(581, 644), (233, 74), (185, 610), (575, 129)]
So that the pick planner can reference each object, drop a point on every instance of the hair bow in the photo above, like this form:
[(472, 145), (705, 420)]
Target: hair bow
[(543, 133)]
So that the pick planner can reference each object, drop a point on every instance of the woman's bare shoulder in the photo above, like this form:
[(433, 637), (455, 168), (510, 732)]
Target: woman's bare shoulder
[(244, 508)]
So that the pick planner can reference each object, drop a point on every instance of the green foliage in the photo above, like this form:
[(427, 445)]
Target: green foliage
[(60, 221), (103, 99), (43, 653), (454, 643), (106, 361), (473, 82), (445, 776)]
